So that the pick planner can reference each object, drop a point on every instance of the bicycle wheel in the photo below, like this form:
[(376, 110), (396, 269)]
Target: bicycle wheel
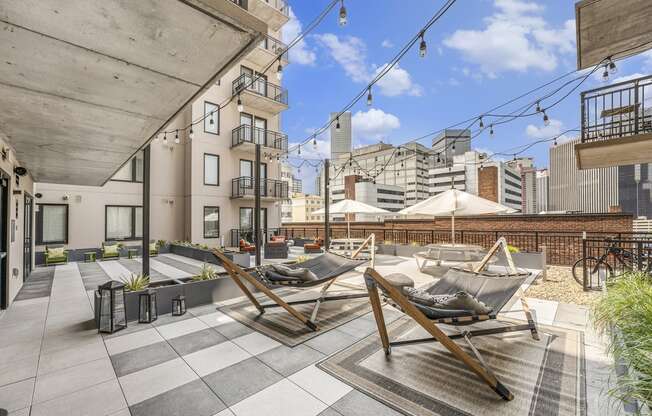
[(597, 272)]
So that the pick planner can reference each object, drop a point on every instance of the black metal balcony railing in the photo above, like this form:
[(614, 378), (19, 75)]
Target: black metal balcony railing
[(269, 188), (280, 5), (618, 110), (275, 46), (256, 135), (260, 86)]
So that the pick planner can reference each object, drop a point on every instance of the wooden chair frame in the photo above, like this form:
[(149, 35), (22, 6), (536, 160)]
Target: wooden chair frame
[(239, 276), (374, 281)]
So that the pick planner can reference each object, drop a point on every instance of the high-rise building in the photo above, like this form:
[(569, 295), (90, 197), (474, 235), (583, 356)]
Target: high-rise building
[(543, 179), (474, 173), (365, 190), (571, 189), (450, 143), (297, 185), (406, 167), (202, 189), (525, 167), (286, 204), (340, 137)]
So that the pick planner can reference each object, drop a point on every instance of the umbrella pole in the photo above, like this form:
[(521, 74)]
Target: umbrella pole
[(348, 227), (453, 228)]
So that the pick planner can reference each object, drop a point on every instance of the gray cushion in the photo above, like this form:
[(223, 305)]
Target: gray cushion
[(399, 281), (459, 301), (299, 273)]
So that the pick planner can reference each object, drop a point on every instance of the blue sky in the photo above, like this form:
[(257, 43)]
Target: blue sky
[(480, 54)]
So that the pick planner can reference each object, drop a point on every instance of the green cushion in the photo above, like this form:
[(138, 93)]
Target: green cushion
[(111, 250), (152, 247), (56, 252)]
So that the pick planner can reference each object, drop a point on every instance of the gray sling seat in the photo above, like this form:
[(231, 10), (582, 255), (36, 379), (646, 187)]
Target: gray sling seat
[(325, 267)]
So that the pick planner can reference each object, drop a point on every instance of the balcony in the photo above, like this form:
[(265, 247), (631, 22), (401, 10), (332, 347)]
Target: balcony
[(243, 187), (260, 94), (274, 12), (248, 136), (267, 51), (616, 125)]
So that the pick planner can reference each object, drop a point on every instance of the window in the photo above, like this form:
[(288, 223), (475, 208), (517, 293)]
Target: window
[(211, 169), (212, 120), (247, 218), (132, 171), (51, 224), (123, 222), (211, 222)]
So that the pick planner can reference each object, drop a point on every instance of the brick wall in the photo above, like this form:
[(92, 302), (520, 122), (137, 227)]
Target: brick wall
[(488, 183)]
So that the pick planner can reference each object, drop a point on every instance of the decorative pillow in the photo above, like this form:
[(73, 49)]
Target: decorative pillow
[(112, 249), (458, 301), (56, 252), (301, 273)]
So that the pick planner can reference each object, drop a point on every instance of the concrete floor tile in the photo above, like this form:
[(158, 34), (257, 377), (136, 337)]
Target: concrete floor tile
[(141, 358), (281, 399), (256, 343), (194, 398), (215, 358), (13, 371), (288, 360), (233, 330), (21, 412), (196, 341), (72, 379), (180, 328), (132, 341), (330, 412), (331, 342), (323, 386), (244, 379), (215, 318), (356, 403), (69, 357), (16, 396), (100, 399), (153, 381)]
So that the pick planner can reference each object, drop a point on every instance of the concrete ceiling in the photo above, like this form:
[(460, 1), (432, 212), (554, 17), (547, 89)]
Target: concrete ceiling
[(84, 84)]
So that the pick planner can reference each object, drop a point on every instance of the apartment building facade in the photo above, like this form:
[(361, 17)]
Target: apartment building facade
[(303, 207), (543, 183), (525, 167), (365, 190), (202, 184), (340, 133)]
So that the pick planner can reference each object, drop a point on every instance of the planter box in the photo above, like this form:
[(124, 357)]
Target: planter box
[(404, 250), (206, 256), (524, 260)]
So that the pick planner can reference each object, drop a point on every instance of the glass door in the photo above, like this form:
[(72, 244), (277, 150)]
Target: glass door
[(246, 133), (27, 237), (260, 131), (4, 218)]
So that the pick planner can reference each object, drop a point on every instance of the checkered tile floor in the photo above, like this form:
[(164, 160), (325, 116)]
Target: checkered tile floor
[(53, 362)]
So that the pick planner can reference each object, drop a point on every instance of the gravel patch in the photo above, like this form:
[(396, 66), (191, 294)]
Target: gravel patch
[(560, 286)]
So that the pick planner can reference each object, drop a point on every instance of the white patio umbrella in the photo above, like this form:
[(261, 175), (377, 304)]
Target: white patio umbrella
[(455, 202), (350, 206)]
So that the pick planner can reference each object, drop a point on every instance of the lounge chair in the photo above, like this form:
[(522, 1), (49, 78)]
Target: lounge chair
[(246, 247), (494, 290), (55, 254), (327, 268), (110, 250)]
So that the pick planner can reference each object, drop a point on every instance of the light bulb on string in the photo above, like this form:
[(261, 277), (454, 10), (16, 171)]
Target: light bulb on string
[(481, 123), (612, 67), (538, 108), (191, 134), (279, 70), (156, 138), (342, 17), (176, 137), (546, 119), (605, 74), (423, 48), (491, 130), (165, 138), (211, 122), (240, 106), (299, 150), (278, 158), (314, 143), (369, 98), (337, 123), (555, 142)]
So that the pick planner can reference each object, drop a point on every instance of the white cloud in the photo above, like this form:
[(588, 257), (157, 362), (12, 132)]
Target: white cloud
[(321, 151), (300, 53), (625, 77), (351, 54), (373, 124), (647, 56), (386, 43), (544, 132), (515, 38)]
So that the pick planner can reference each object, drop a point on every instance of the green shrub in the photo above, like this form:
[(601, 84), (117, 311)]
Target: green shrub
[(207, 272), (161, 243), (136, 282), (513, 249), (624, 313)]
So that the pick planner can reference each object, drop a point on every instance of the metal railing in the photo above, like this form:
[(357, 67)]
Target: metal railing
[(609, 258), (269, 188), (562, 248), (260, 86), (275, 46), (246, 133), (280, 5), (247, 234), (617, 110)]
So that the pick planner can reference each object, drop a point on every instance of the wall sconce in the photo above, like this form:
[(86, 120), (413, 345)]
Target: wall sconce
[(5, 153), (168, 201)]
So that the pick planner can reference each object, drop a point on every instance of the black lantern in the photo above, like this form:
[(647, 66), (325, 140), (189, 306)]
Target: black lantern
[(178, 305), (112, 315), (147, 311)]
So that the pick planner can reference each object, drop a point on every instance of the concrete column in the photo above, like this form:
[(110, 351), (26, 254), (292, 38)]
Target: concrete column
[(146, 187)]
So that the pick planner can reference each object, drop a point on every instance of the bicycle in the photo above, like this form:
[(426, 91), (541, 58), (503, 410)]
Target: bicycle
[(599, 269)]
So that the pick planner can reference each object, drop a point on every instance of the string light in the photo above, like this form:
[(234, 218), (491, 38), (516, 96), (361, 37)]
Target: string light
[(278, 157), (612, 67), (337, 123), (546, 119), (165, 138), (191, 135), (481, 123), (605, 74), (299, 150), (211, 122), (369, 98), (491, 130), (343, 17), (438, 158), (555, 142), (176, 137), (538, 109), (240, 106), (279, 70), (423, 48)]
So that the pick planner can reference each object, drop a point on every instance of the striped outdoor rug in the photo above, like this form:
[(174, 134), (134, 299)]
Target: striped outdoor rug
[(188, 268), (277, 323), (546, 377)]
